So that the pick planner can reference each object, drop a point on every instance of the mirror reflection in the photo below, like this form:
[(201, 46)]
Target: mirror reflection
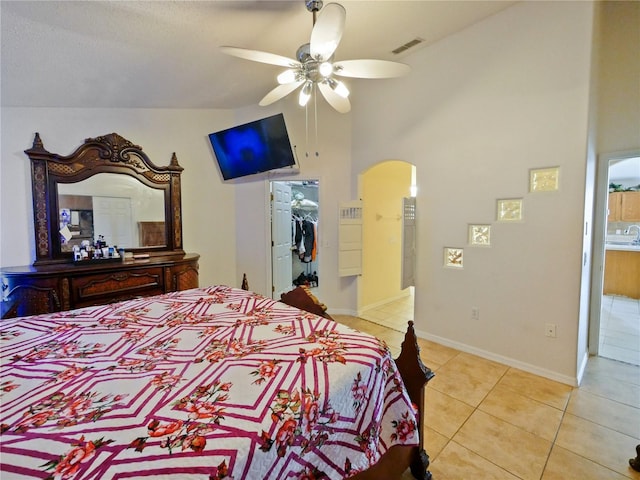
[(120, 209)]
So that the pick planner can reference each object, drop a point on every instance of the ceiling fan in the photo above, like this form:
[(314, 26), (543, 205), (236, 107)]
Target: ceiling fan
[(314, 66)]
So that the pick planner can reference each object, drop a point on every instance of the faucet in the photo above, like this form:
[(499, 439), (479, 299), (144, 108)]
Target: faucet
[(627, 231)]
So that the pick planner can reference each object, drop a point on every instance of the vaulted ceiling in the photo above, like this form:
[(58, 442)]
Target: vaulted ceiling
[(164, 54)]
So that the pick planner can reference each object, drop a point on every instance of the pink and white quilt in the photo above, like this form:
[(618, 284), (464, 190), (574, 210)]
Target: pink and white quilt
[(209, 383)]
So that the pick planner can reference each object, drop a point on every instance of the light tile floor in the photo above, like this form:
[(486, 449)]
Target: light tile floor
[(485, 420), (620, 329), (394, 314)]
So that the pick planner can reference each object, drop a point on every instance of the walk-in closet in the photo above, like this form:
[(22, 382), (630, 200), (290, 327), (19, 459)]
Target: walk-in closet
[(304, 239)]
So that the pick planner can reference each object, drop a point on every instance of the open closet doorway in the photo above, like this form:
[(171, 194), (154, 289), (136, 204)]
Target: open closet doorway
[(615, 319), (385, 288), (295, 208)]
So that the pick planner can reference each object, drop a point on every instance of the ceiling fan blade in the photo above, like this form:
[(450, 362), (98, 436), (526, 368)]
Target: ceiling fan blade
[(341, 104), (327, 31), (279, 92), (367, 68), (258, 56)]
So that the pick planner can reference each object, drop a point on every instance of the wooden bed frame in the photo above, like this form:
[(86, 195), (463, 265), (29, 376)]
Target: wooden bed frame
[(415, 376)]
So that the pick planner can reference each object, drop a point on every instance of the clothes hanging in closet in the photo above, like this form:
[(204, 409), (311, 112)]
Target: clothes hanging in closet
[(297, 234), (305, 233), (309, 240)]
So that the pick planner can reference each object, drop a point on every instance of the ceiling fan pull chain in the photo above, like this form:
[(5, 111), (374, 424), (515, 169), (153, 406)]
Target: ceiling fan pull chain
[(306, 130), (315, 112)]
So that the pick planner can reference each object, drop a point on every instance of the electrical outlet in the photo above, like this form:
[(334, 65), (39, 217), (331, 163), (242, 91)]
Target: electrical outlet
[(475, 313), (550, 330)]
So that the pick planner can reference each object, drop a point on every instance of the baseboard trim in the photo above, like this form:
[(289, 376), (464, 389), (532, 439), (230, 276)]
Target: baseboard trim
[(511, 362), (582, 368)]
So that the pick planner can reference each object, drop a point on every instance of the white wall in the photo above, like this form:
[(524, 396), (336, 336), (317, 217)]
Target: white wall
[(208, 205), (619, 95), (478, 111), (332, 167)]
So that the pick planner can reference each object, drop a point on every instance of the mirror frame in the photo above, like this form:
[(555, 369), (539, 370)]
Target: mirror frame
[(105, 154)]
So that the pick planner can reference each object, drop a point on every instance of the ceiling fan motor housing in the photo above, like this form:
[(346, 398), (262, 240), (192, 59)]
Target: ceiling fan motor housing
[(303, 54), (310, 68), (313, 5)]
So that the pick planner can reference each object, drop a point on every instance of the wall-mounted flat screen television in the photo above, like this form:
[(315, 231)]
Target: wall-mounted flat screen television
[(253, 147)]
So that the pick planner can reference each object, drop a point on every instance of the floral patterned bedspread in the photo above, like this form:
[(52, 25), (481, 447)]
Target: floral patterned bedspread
[(207, 384)]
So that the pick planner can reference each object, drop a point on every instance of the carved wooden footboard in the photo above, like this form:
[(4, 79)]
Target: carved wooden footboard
[(397, 459), (415, 376)]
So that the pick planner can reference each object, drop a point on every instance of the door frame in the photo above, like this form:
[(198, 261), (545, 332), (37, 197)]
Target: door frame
[(413, 192), (267, 230), (281, 241), (599, 237)]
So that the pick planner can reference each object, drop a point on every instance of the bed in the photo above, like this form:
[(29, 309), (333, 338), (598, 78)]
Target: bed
[(207, 383)]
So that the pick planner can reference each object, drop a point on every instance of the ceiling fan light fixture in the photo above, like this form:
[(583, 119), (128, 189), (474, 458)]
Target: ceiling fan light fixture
[(339, 87), (326, 69), (288, 76), (305, 94)]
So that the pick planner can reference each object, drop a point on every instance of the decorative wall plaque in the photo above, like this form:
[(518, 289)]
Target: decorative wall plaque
[(480, 235), (453, 257), (509, 210), (544, 179)]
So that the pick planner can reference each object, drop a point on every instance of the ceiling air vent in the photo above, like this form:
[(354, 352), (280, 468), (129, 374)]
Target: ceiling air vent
[(408, 45)]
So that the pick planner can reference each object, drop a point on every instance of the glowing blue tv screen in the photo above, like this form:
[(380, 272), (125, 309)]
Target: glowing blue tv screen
[(253, 147)]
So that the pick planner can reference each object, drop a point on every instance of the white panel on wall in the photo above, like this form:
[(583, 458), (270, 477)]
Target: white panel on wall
[(350, 238), (408, 242)]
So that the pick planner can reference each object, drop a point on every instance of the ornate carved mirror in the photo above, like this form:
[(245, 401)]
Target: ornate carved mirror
[(107, 188)]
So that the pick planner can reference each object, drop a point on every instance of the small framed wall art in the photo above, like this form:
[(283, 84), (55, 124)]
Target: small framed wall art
[(544, 179), (480, 235), (453, 257), (509, 210)]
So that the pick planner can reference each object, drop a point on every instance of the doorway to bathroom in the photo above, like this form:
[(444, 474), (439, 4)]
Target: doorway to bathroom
[(385, 288)]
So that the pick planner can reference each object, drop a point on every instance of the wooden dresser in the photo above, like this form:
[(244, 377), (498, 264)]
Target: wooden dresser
[(99, 168), (32, 290)]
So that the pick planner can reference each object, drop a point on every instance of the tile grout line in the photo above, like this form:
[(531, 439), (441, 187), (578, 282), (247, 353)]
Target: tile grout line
[(553, 442), (476, 408)]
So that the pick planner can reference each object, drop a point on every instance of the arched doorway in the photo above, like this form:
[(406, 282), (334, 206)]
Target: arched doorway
[(382, 297)]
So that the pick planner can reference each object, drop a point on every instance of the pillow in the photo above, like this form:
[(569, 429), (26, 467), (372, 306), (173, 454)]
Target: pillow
[(302, 298)]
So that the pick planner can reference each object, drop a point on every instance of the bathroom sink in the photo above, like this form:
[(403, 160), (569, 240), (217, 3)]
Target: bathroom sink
[(624, 246)]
